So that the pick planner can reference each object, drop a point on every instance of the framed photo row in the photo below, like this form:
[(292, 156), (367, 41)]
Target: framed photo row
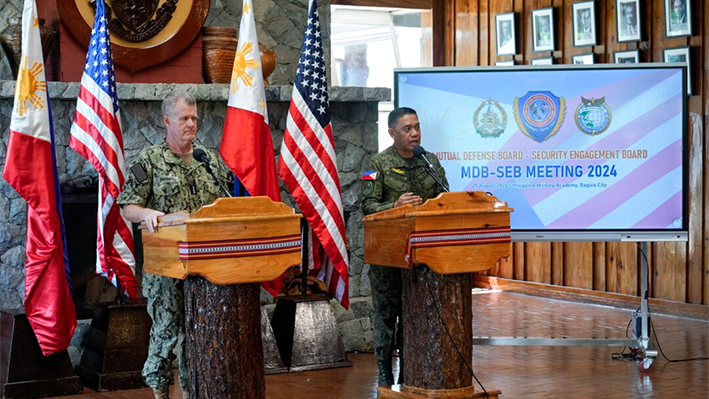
[(505, 34), (584, 23), (628, 20), (543, 29), (626, 57), (582, 59), (680, 54), (678, 18), (542, 61)]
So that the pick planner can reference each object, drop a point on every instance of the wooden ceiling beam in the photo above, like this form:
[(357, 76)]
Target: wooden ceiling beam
[(417, 4)]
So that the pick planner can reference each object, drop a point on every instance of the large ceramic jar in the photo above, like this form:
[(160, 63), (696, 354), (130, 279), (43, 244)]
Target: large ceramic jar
[(219, 45)]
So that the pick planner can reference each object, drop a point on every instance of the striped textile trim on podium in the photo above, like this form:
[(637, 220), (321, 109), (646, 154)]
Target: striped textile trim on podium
[(457, 237), (196, 250)]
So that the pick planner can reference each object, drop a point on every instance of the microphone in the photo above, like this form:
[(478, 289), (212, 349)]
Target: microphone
[(201, 156), (419, 152)]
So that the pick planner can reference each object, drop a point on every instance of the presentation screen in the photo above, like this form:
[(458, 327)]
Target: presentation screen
[(581, 152)]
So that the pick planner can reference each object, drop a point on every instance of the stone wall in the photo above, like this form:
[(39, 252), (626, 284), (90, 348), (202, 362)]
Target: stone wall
[(354, 120), (280, 25)]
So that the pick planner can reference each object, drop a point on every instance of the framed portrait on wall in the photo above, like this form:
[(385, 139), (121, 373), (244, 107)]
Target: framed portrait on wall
[(626, 57), (680, 54), (543, 29), (582, 59), (584, 21), (678, 18), (505, 33), (542, 61), (628, 20)]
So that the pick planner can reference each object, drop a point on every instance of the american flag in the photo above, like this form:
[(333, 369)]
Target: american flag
[(308, 166), (96, 135)]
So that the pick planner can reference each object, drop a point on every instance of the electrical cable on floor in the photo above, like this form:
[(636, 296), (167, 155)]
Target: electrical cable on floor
[(633, 355), (440, 318), (659, 347)]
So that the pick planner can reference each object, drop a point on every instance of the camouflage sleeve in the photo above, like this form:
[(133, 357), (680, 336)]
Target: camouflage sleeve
[(138, 184), (373, 199)]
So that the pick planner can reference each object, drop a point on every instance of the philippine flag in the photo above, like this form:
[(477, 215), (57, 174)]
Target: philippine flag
[(246, 145), (31, 169), (369, 175)]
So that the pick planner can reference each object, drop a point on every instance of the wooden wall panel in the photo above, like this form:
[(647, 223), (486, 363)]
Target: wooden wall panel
[(578, 264), (518, 260), (599, 266), (695, 248), (670, 279), (679, 271), (703, 84), (628, 269), (506, 268), (612, 260), (557, 263), (537, 260), (427, 38)]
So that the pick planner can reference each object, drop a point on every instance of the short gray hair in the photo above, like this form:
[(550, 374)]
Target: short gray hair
[(170, 101)]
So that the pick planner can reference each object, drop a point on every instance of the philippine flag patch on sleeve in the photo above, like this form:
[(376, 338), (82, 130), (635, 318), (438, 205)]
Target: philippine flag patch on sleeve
[(369, 175)]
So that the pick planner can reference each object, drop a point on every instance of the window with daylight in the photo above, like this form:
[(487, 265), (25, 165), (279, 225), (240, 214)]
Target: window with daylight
[(369, 42)]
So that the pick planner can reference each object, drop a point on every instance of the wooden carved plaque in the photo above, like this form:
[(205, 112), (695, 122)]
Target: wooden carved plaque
[(147, 39)]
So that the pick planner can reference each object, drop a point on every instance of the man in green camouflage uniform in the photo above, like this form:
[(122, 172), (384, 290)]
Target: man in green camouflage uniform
[(394, 178), (164, 179)]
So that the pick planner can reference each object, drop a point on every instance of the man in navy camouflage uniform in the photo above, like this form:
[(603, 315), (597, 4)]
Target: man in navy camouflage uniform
[(394, 178), (164, 179)]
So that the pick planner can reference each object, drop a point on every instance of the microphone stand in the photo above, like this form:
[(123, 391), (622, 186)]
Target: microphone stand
[(420, 153), (432, 172), (209, 169)]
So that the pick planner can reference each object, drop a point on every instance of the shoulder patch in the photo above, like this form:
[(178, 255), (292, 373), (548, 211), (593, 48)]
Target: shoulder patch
[(368, 188), (139, 172), (369, 175)]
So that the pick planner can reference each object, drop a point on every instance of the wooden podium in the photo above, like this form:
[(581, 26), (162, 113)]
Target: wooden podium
[(223, 251), (441, 241)]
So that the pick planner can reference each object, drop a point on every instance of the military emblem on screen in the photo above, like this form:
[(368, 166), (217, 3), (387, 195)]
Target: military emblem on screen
[(492, 122), (539, 114), (593, 116)]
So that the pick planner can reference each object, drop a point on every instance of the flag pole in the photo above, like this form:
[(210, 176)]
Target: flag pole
[(304, 259)]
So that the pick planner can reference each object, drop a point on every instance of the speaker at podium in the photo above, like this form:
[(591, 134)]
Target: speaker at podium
[(440, 243)]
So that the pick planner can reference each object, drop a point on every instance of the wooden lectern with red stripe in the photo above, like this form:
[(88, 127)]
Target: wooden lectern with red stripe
[(223, 251), (439, 243)]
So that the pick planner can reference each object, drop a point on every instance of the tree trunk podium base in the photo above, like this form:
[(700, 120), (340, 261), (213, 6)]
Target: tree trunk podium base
[(437, 317), (406, 392), (307, 335), (223, 340), (24, 371), (116, 348)]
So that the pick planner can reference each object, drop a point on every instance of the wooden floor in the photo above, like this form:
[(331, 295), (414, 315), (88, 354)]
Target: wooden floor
[(525, 371)]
